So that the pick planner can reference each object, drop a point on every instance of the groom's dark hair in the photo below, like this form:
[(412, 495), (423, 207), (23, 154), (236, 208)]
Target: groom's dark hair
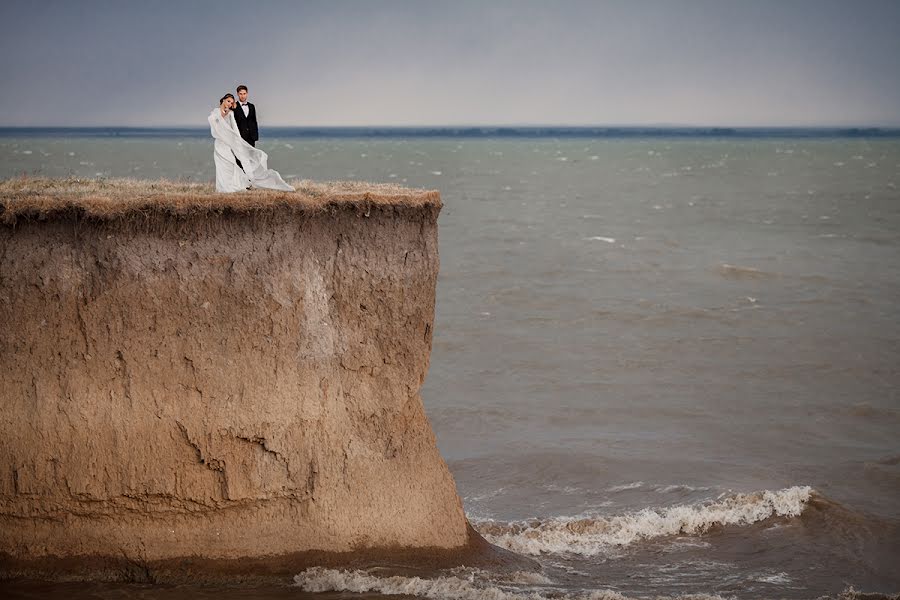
[(241, 87)]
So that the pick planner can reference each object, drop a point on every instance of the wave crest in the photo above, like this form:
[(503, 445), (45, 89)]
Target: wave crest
[(472, 586), (588, 536)]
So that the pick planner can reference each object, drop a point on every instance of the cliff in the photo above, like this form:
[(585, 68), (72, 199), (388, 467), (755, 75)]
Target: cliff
[(194, 375)]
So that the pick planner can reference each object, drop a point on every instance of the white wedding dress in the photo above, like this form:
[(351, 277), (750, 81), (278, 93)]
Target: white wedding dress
[(229, 143)]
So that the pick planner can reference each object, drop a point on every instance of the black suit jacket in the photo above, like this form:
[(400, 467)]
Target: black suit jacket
[(247, 126)]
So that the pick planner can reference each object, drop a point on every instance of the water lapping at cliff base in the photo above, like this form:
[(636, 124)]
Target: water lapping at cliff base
[(588, 535), (473, 584), (464, 584), (693, 550)]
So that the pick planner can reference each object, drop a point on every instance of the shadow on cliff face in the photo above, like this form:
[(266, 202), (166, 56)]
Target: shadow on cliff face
[(25, 575)]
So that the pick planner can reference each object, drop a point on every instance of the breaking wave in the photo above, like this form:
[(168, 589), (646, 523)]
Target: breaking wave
[(591, 535), (471, 585)]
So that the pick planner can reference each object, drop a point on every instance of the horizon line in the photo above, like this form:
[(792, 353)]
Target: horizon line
[(479, 126)]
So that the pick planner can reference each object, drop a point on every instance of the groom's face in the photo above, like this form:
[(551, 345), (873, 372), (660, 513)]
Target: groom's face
[(242, 95)]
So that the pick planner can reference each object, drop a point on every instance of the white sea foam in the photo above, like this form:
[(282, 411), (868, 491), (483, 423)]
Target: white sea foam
[(490, 494), (567, 489), (529, 578), (780, 578), (591, 535), (625, 486), (470, 585), (600, 238), (665, 489)]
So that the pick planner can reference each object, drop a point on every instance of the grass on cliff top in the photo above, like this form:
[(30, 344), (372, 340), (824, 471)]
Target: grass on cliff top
[(111, 198)]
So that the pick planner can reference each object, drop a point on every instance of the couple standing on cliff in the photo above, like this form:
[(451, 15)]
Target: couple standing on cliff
[(239, 165)]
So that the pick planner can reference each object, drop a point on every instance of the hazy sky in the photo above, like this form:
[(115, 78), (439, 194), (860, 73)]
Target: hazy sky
[(373, 62)]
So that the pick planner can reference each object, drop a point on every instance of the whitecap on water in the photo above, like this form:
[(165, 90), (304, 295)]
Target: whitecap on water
[(625, 486), (773, 578), (666, 489), (463, 584), (590, 535), (568, 489), (486, 495)]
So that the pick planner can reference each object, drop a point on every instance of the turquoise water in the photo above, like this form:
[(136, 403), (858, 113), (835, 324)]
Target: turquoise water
[(661, 365)]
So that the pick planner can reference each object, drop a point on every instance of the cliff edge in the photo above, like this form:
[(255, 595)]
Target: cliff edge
[(195, 375)]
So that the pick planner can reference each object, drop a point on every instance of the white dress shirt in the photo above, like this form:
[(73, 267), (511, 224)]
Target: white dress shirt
[(246, 108)]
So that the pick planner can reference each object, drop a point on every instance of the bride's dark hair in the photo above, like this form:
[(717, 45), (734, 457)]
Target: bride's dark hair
[(222, 99)]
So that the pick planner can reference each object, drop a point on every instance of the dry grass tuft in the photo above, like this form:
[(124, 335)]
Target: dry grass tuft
[(115, 198)]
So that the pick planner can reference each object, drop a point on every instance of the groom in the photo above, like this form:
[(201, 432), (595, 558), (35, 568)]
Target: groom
[(245, 116)]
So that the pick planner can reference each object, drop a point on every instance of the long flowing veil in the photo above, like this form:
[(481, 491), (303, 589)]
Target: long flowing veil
[(253, 160)]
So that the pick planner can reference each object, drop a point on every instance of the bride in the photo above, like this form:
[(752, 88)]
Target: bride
[(229, 144)]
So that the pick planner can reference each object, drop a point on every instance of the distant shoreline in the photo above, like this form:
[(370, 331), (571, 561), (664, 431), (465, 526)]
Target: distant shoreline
[(474, 132)]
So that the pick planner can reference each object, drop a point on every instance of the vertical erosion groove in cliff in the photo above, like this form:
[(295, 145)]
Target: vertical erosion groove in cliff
[(228, 381)]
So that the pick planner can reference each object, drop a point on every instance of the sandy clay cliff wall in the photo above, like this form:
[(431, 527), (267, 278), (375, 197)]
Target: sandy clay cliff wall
[(219, 382)]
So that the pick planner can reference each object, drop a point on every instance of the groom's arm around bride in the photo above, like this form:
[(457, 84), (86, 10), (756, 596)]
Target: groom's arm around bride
[(245, 117)]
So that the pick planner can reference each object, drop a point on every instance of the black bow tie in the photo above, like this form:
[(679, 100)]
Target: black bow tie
[(243, 104)]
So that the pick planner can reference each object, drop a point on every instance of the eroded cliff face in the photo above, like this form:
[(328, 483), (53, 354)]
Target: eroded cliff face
[(220, 385)]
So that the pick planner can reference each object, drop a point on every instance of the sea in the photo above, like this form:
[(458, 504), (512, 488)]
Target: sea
[(666, 361)]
